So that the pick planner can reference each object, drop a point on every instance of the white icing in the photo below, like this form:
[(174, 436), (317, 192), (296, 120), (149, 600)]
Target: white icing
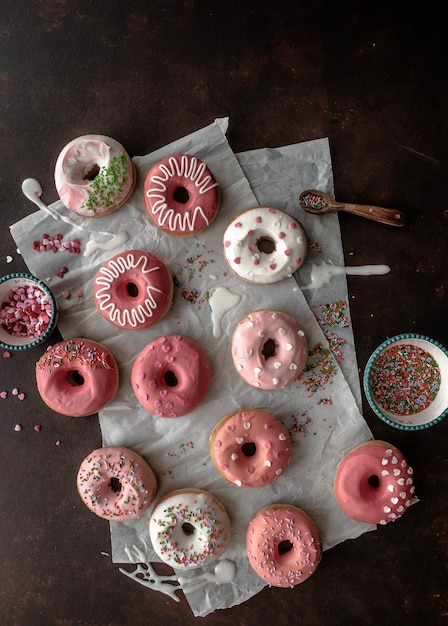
[(32, 190), (225, 571), (243, 242), (148, 577), (221, 301), (323, 273)]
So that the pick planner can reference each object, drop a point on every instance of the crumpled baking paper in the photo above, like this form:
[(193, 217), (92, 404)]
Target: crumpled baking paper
[(320, 410)]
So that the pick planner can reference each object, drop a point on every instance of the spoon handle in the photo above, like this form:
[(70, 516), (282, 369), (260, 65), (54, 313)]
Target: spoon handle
[(377, 213)]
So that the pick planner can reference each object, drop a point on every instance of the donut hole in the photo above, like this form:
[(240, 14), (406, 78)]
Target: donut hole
[(92, 173), (284, 547), (374, 481), (188, 529), (115, 485), (181, 195), (248, 448), (170, 378), (132, 290), (266, 245), (269, 349), (75, 378)]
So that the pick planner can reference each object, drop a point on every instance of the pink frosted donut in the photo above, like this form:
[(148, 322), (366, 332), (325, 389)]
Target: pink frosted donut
[(283, 545), (182, 196), (171, 376), (133, 290), (116, 483), (374, 483), (94, 175), (269, 349), (264, 245), (77, 377), (250, 448)]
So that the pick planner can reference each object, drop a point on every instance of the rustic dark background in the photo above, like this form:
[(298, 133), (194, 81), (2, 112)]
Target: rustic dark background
[(372, 77)]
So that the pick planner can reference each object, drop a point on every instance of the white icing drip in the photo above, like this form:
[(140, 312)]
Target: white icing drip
[(148, 577), (225, 571), (323, 273), (122, 317), (31, 189), (221, 301), (194, 171)]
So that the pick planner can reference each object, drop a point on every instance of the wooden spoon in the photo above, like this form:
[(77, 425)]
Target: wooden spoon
[(321, 203)]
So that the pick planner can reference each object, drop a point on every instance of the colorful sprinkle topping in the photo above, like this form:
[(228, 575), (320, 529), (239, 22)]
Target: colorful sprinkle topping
[(55, 355), (107, 184), (405, 379), (313, 201)]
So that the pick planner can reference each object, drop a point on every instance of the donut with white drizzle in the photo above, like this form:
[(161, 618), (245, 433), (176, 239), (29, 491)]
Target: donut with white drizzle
[(250, 448), (189, 528), (264, 245), (116, 483), (283, 545), (269, 349), (374, 483), (133, 289), (181, 195)]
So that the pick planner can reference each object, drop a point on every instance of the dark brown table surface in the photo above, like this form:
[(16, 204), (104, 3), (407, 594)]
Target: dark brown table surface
[(371, 78)]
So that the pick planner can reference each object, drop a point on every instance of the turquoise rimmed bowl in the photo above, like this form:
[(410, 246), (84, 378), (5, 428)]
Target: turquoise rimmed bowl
[(31, 336), (406, 381)]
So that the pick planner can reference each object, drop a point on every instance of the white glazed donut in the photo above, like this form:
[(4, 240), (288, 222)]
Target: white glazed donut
[(264, 245), (189, 528)]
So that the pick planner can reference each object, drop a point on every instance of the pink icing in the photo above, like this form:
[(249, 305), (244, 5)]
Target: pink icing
[(86, 193), (251, 448), (77, 377), (374, 483), (252, 337), (278, 528), (182, 196), (133, 289), (116, 483), (171, 376)]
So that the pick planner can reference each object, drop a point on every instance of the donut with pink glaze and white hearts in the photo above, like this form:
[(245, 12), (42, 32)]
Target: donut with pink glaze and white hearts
[(250, 448), (171, 376), (264, 245), (269, 349), (182, 196), (374, 483)]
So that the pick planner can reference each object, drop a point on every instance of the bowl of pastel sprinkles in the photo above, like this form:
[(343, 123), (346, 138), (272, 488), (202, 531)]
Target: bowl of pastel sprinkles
[(28, 311), (406, 381)]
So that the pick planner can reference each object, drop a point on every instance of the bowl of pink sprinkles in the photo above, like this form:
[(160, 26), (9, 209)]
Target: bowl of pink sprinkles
[(406, 381), (28, 311)]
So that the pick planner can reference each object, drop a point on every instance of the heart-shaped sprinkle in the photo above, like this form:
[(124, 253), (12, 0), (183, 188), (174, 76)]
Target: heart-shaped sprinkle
[(387, 509), (267, 426), (288, 252), (238, 483), (401, 481), (281, 235), (247, 425), (292, 225), (272, 266), (250, 470), (166, 348), (384, 473), (268, 445), (163, 393), (234, 456), (289, 347), (258, 219), (279, 471), (256, 261), (268, 463), (238, 224), (237, 260), (21, 396), (394, 500), (298, 261), (276, 381), (231, 427), (218, 443), (390, 488), (282, 437), (277, 365), (240, 440), (224, 467), (403, 495), (227, 244), (397, 471), (169, 358), (3, 394)]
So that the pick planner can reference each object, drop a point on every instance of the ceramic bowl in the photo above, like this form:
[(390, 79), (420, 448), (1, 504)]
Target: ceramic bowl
[(406, 381), (9, 341)]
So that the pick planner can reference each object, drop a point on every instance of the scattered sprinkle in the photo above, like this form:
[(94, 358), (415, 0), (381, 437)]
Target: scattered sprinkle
[(6, 354), (37, 428), (66, 294), (9, 259), (3, 394), (21, 396), (17, 428), (57, 443), (15, 391)]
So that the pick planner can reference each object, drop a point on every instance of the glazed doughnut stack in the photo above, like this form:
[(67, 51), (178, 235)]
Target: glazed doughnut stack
[(250, 448)]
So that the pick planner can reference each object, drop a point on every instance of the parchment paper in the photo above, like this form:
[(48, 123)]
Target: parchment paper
[(320, 411)]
